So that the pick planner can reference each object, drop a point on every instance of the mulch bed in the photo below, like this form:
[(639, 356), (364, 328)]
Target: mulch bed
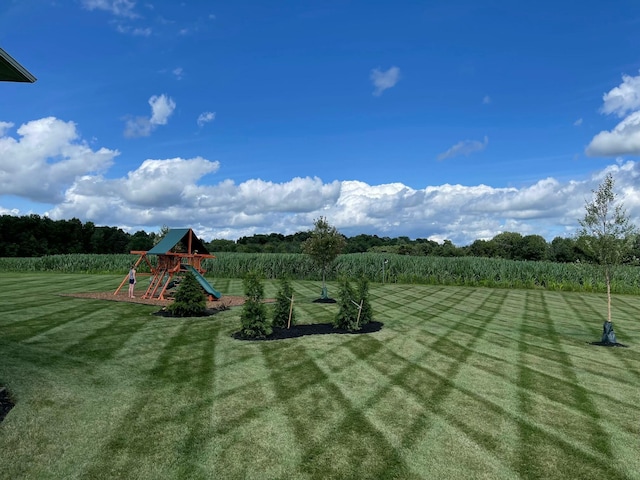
[(313, 329), (164, 312), (225, 302), (6, 403), (607, 344)]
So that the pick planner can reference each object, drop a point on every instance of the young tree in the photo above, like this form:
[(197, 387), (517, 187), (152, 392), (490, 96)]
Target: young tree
[(323, 246), (157, 237), (606, 232), (190, 300), (255, 323), (283, 307)]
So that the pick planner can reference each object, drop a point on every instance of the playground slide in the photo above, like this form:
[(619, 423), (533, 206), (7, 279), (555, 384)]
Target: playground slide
[(203, 282)]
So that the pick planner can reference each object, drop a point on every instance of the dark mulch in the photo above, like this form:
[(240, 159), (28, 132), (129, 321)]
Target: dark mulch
[(607, 344), (314, 329), (165, 312), (324, 300), (6, 403)]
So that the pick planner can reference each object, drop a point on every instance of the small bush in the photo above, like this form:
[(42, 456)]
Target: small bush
[(283, 305), (347, 317), (366, 313), (190, 300), (255, 323)]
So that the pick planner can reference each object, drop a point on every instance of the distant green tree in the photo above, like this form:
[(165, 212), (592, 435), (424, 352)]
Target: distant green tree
[(140, 241), (482, 248), (606, 231), (534, 248), (447, 249), (323, 246), (562, 250), (508, 245), (253, 318), (222, 245), (347, 317), (190, 300), (283, 305)]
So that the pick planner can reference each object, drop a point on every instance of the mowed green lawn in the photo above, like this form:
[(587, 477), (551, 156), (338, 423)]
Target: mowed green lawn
[(459, 383)]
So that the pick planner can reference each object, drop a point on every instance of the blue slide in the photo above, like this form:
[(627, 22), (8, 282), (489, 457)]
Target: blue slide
[(203, 283)]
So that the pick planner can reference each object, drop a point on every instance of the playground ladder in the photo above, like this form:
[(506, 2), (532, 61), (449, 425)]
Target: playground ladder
[(156, 282)]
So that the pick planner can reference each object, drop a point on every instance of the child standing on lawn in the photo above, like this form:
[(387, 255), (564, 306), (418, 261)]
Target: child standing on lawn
[(132, 281)]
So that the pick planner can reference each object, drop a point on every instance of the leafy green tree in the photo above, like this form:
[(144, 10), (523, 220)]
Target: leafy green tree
[(606, 232), (140, 241), (447, 249), (253, 318), (482, 248), (190, 300), (508, 245), (347, 317), (222, 245), (534, 248), (323, 246), (283, 305), (562, 250)]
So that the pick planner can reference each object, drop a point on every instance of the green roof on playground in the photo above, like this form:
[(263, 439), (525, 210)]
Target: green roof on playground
[(175, 236)]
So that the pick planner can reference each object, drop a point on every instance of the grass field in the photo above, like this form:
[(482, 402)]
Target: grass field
[(460, 382)]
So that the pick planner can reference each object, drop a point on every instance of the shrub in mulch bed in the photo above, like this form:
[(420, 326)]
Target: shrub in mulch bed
[(190, 300), (254, 320), (313, 329)]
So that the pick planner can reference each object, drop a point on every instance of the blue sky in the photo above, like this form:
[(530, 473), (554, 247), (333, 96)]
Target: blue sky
[(443, 120)]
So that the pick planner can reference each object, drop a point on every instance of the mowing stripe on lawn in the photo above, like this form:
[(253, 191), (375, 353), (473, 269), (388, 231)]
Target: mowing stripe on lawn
[(541, 455), (578, 397), (329, 425), (170, 413), (435, 397), (23, 330)]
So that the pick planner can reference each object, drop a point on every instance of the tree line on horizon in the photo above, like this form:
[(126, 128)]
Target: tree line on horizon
[(35, 236)]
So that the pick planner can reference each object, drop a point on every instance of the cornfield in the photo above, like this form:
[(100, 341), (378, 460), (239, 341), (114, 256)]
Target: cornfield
[(401, 269)]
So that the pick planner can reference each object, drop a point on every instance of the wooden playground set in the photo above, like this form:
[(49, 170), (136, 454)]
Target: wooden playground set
[(180, 251)]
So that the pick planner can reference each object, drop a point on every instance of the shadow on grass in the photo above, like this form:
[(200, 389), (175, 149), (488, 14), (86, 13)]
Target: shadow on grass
[(6, 403)]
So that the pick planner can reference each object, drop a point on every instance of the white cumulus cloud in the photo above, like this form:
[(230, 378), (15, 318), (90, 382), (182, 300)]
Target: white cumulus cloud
[(162, 106), (173, 192), (624, 139), (46, 159), (383, 80), (4, 127), (624, 98)]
